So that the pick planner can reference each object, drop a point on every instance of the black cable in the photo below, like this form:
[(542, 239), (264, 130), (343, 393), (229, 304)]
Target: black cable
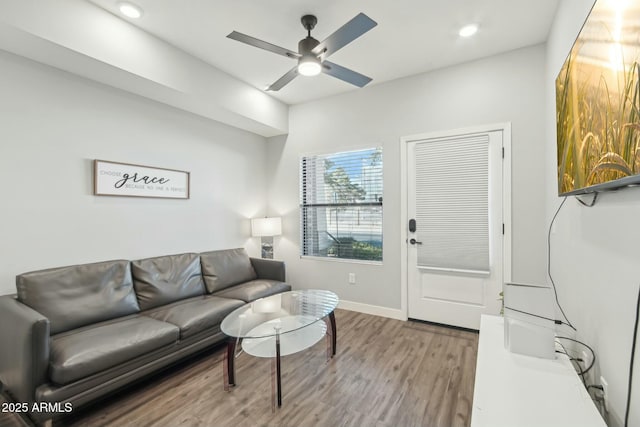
[(555, 292), (577, 361), (563, 347), (574, 359), (633, 356), (580, 371), (589, 205), (593, 353), (556, 321)]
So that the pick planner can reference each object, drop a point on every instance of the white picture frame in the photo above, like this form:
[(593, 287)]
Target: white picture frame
[(129, 180)]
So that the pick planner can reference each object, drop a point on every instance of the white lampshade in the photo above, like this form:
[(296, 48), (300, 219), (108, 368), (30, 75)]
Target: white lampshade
[(266, 227)]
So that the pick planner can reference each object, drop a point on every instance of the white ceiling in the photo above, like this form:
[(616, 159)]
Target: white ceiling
[(412, 36)]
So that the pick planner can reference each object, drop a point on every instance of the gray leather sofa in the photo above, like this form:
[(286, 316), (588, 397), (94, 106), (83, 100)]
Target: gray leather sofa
[(73, 334)]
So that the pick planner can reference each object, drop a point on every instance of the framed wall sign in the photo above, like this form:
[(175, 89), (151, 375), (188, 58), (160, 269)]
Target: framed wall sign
[(123, 179)]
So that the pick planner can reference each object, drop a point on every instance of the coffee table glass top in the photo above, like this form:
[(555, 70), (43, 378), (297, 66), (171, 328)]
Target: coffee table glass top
[(279, 314)]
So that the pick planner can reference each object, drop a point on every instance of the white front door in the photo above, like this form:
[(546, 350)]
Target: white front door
[(455, 227)]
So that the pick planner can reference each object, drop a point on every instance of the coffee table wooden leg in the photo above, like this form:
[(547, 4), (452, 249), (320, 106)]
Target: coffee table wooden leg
[(279, 381), (334, 334), (228, 366)]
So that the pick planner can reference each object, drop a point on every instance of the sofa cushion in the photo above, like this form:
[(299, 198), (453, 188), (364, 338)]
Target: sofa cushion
[(78, 354), (195, 315), (74, 296), (163, 280), (253, 290), (225, 268)]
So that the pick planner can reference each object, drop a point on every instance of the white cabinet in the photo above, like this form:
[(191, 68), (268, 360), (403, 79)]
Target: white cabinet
[(512, 390)]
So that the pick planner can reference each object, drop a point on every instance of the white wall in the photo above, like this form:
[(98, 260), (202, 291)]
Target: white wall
[(503, 88), (91, 42), (53, 124), (594, 250)]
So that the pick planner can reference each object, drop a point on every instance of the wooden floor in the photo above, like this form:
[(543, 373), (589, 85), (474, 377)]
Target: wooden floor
[(387, 373)]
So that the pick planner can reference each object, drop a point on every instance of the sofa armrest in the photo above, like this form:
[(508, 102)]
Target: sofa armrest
[(24, 348), (269, 269)]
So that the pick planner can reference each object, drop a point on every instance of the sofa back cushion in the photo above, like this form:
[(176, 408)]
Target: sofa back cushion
[(79, 295), (165, 279), (225, 268)]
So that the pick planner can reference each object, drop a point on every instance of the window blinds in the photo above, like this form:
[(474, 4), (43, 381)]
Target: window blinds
[(452, 203), (341, 205)]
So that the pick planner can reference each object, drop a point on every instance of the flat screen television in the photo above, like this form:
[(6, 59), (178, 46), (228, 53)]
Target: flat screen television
[(598, 102)]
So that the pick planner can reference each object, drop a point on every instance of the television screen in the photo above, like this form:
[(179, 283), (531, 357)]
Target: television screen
[(598, 102)]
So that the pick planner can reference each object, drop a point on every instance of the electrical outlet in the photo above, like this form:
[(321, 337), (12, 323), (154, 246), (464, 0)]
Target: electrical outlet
[(352, 278), (605, 393)]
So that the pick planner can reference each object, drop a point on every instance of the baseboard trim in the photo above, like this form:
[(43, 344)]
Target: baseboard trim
[(376, 310)]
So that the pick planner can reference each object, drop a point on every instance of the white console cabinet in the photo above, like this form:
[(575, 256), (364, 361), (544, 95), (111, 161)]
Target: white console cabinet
[(512, 390)]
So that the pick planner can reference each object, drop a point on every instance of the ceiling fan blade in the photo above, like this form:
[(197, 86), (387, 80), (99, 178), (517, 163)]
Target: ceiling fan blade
[(263, 45), (282, 81), (344, 35), (345, 74)]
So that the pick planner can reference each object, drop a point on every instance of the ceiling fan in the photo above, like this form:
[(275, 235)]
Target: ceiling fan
[(312, 55)]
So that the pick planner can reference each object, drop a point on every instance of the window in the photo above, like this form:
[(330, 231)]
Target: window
[(341, 205)]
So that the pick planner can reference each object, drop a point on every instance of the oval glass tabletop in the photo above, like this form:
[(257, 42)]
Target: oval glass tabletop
[(280, 313), (290, 343)]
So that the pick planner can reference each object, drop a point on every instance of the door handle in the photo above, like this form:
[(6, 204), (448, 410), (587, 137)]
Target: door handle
[(414, 242)]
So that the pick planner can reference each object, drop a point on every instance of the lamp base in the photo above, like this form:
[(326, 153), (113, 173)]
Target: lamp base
[(267, 247)]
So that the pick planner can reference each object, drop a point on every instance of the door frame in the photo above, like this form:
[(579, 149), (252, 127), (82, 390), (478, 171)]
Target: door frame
[(505, 127)]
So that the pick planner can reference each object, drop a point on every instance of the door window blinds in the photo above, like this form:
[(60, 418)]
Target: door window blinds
[(341, 205), (452, 203)]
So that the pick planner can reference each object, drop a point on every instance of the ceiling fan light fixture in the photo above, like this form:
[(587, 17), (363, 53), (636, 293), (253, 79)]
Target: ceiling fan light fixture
[(312, 55), (309, 66)]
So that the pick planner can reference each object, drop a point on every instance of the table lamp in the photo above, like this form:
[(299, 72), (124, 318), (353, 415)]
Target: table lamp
[(266, 228)]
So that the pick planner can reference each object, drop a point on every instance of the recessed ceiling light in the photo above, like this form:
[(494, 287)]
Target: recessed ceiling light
[(468, 30), (130, 10)]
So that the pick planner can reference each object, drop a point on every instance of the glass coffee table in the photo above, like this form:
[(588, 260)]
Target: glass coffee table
[(279, 325)]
